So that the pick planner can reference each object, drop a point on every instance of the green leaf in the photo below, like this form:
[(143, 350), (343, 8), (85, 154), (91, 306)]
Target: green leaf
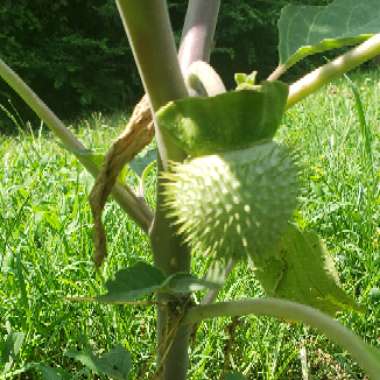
[(240, 78), (306, 30), (133, 283), (246, 81), (49, 373), (142, 279), (374, 354), (303, 271), (234, 376), (115, 364), (230, 121), (139, 163), (12, 346)]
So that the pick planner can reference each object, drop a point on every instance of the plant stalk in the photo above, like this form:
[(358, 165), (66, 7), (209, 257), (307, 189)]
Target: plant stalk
[(280, 70), (196, 45), (326, 73), (291, 311), (148, 27), (149, 31), (135, 207), (198, 32)]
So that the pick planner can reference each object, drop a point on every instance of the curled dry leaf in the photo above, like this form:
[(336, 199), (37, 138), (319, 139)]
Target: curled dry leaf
[(137, 134)]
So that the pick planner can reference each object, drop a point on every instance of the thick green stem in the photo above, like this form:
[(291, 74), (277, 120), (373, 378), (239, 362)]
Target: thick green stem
[(291, 311), (149, 32), (148, 27), (325, 74), (136, 208)]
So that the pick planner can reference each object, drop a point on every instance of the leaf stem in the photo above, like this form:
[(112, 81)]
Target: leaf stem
[(326, 73), (279, 70), (203, 80), (291, 311), (135, 207)]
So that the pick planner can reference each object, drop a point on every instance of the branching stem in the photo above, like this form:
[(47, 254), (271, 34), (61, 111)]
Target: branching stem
[(326, 73), (292, 311), (280, 70), (135, 207), (149, 32)]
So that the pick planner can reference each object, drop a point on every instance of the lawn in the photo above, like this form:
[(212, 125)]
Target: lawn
[(46, 249)]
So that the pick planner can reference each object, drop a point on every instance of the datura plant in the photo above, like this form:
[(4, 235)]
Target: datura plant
[(225, 187)]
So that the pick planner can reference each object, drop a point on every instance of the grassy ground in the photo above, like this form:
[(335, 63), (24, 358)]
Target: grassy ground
[(46, 248)]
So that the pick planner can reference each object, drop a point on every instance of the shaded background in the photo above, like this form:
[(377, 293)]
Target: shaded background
[(75, 55)]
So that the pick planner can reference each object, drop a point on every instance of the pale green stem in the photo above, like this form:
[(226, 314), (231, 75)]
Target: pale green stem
[(326, 73), (203, 80), (148, 27), (198, 32), (150, 35), (135, 207), (196, 45), (365, 355), (149, 32), (280, 70)]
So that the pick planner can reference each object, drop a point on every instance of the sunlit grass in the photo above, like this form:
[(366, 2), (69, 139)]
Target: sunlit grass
[(46, 248)]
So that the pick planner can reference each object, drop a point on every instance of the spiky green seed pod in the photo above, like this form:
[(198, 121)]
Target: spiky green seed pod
[(234, 203)]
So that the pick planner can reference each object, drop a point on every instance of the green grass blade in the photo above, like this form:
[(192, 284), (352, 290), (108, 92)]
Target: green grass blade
[(365, 129)]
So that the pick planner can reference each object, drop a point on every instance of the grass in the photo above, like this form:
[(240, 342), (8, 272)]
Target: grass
[(46, 248)]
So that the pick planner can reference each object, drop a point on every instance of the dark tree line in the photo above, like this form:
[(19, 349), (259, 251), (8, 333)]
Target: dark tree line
[(75, 54)]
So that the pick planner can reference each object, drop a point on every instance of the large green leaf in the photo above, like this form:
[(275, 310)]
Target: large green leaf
[(49, 373), (303, 272), (133, 283), (12, 345), (115, 364), (10, 348), (306, 30), (142, 279), (234, 376), (230, 121)]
